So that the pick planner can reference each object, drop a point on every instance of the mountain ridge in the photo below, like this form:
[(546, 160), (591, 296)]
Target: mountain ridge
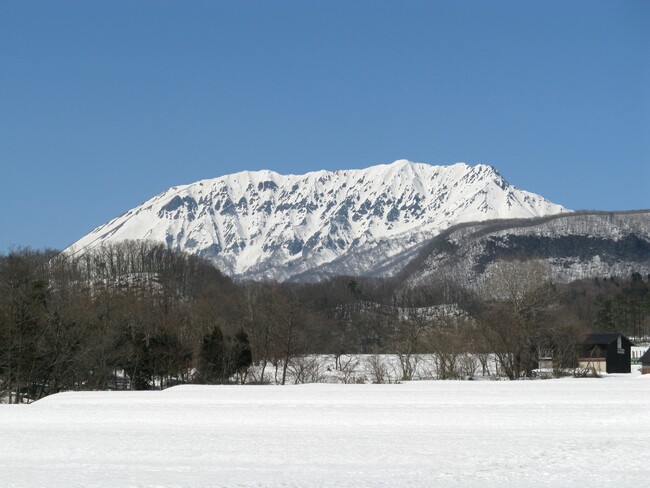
[(578, 245), (265, 225)]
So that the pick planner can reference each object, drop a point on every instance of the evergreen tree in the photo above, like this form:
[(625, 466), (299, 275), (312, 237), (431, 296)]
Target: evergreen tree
[(214, 364), (242, 353)]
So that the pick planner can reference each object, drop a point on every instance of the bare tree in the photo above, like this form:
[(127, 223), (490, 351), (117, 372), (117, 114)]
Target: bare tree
[(306, 369), (378, 369), (521, 306)]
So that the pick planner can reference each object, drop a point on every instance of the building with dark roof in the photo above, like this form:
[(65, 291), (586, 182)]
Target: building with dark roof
[(606, 353), (645, 362)]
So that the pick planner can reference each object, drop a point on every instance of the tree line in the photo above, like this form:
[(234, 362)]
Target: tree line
[(137, 315)]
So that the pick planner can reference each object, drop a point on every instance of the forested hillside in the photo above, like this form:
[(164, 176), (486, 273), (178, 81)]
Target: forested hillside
[(137, 315), (574, 246)]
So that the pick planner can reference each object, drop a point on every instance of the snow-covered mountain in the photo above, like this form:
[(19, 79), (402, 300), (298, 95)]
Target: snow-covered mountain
[(264, 225)]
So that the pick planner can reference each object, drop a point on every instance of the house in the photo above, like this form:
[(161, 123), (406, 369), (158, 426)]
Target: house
[(637, 352), (645, 362), (606, 353), (545, 358)]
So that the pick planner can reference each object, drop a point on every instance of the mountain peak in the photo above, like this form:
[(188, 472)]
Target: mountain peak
[(401, 163), (264, 225)]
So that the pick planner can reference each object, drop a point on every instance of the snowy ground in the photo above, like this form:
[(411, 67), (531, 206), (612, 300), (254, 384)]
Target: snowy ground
[(568, 432)]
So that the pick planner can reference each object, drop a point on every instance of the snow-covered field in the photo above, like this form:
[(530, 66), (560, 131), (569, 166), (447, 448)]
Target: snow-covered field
[(568, 432)]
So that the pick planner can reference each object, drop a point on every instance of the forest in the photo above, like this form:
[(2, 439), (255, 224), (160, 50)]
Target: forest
[(136, 315)]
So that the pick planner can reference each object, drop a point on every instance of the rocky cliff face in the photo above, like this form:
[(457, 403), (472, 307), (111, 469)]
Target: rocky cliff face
[(263, 225)]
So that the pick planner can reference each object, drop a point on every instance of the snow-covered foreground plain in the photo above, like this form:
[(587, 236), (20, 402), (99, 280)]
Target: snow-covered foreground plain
[(587, 432)]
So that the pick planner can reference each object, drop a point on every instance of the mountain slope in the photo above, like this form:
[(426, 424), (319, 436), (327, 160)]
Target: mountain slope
[(263, 225), (575, 246)]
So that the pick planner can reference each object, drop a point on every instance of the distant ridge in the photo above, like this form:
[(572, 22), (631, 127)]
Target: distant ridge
[(578, 245)]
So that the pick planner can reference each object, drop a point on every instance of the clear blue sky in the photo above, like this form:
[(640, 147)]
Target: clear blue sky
[(104, 104)]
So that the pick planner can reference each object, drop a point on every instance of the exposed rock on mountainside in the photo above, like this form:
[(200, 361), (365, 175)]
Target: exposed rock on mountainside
[(263, 225)]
